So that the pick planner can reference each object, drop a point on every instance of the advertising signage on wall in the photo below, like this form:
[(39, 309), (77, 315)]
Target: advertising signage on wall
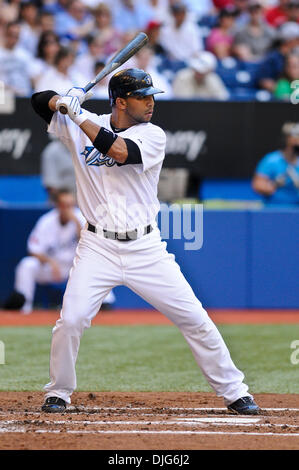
[(212, 139)]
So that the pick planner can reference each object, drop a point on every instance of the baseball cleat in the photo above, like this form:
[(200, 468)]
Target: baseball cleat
[(244, 406), (54, 405)]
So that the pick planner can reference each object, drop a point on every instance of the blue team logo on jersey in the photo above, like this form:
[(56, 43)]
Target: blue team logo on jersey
[(94, 157)]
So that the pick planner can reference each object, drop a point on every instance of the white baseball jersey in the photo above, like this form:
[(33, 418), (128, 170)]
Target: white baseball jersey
[(57, 241), (113, 197)]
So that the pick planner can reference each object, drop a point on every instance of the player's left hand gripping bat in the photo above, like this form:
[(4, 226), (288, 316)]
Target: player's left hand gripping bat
[(117, 60)]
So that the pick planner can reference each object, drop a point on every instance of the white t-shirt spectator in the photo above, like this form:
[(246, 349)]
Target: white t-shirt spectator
[(125, 19), (84, 65), (211, 86), (15, 70), (160, 11), (28, 39), (200, 7), (52, 79), (181, 43)]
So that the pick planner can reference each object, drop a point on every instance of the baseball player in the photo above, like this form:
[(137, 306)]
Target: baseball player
[(117, 159), (51, 246)]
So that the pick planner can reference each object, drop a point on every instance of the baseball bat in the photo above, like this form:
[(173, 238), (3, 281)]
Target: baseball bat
[(116, 61)]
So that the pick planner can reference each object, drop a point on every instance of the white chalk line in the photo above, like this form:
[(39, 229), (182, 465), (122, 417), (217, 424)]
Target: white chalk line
[(181, 421), (238, 422), (141, 431), (128, 408), (157, 423)]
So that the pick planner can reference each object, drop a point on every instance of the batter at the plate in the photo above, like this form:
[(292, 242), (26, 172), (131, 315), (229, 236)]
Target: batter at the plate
[(117, 159)]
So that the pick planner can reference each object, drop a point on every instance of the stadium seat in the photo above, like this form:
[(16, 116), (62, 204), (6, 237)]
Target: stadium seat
[(241, 79), (238, 190)]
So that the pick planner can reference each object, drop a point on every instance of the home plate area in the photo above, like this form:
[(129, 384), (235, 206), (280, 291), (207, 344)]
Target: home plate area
[(147, 421)]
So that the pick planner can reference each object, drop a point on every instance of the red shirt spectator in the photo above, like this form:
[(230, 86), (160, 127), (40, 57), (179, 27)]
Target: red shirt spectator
[(278, 15), (222, 3)]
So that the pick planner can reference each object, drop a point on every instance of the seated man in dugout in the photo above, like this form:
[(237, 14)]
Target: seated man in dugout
[(51, 247)]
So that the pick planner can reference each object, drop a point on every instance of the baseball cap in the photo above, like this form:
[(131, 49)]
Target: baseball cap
[(153, 24), (288, 31), (203, 63), (291, 129)]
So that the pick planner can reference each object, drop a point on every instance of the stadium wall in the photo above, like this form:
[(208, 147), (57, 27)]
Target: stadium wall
[(249, 259)]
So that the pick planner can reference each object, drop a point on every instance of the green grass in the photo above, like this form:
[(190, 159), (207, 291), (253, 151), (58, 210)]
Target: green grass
[(151, 358)]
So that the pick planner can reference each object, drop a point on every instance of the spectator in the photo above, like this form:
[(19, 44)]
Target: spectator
[(109, 36), (132, 16), (85, 63), (221, 38), (277, 174), (283, 89), (47, 49), (243, 17), (61, 77), (199, 79), (30, 29), (293, 11), (51, 247), (257, 35), (57, 171), (160, 9), (46, 22), (145, 61), (74, 23), (279, 14), (56, 7), (273, 65), (204, 7), (220, 4), (100, 91), (9, 11), (181, 39), (153, 31), (15, 62)]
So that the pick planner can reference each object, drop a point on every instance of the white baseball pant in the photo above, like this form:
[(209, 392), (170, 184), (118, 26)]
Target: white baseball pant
[(145, 266)]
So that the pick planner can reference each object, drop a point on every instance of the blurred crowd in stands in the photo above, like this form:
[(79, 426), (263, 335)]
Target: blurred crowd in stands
[(206, 49)]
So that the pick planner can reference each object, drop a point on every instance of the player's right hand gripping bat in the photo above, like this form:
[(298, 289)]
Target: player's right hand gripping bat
[(117, 60)]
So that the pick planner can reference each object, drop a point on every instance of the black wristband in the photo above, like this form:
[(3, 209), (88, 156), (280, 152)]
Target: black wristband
[(104, 140)]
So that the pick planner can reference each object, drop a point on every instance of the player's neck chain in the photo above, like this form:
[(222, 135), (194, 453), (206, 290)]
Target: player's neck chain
[(118, 129)]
